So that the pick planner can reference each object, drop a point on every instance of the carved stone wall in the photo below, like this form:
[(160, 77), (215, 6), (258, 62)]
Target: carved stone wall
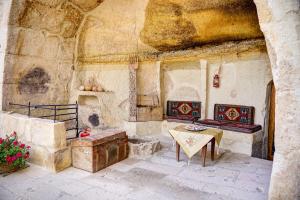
[(39, 54), (280, 23)]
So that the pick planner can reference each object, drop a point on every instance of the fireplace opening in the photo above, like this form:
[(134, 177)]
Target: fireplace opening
[(94, 119)]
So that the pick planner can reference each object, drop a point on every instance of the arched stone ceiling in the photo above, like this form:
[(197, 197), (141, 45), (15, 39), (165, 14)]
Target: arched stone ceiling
[(120, 27)]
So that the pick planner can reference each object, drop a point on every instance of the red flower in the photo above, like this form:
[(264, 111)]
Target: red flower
[(8, 158), (22, 145), (28, 147), (15, 142), (13, 158), (26, 155), (1, 140), (19, 155)]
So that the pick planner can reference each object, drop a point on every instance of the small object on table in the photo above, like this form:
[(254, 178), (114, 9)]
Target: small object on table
[(86, 132), (194, 127)]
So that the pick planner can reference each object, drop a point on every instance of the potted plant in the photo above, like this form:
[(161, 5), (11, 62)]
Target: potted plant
[(13, 154)]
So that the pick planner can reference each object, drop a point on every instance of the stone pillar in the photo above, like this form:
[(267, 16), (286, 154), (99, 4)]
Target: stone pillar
[(133, 66), (203, 87), (280, 23), (4, 17)]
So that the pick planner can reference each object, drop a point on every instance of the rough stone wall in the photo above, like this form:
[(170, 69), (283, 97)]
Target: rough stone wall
[(250, 71), (179, 24), (280, 23), (114, 79), (116, 28), (40, 51), (4, 15)]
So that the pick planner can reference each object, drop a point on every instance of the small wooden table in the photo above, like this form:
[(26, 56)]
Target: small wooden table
[(194, 141), (203, 151)]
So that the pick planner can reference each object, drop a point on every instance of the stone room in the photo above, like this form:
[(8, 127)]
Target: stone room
[(150, 99)]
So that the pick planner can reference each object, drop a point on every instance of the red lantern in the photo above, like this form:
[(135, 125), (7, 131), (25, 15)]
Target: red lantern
[(216, 81)]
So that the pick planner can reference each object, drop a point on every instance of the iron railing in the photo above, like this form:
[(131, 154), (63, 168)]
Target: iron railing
[(69, 112)]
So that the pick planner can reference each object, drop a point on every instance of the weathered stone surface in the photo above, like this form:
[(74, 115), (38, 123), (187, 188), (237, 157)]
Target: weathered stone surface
[(113, 104), (53, 161), (19, 66), (35, 81), (62, 159), (174, 24), (51, 3), (243, 143), (280, 21), (64, 21), (17, 9), (46, 138), (71, 22), (87, 5), (113, 28), (160, 177), (143, 147), (40, 16)]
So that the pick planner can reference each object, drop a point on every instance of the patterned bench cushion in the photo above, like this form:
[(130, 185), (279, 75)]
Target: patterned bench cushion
[(234, 113), (245, 128), (212, 123), (183, 110)]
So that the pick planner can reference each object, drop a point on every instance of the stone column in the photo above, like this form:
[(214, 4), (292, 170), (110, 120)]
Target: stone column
[(280, 23), (203, 86), (133, 66), (5, 7)]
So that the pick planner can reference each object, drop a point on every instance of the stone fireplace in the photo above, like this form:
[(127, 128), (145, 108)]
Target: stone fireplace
[(94, 109)]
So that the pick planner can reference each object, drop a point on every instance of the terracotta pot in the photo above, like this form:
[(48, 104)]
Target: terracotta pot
[(94, 89), (87, 87)]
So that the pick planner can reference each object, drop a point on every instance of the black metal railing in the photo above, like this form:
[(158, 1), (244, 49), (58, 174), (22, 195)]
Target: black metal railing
[(57, 112)]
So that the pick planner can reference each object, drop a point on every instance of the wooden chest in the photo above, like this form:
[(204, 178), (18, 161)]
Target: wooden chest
[(96, 152)]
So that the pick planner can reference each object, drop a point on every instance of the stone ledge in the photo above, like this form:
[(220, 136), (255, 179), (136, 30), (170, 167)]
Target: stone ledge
[(47, 139)]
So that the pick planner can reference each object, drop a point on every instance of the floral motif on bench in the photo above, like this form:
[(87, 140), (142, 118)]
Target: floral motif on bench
[(234, 118), (183, 110), (234, 113)]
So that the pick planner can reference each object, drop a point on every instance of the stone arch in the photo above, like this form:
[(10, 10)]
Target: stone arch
[(280, 23)]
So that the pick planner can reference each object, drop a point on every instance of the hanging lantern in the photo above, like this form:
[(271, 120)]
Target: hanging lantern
[(216, 81), (216, 78)]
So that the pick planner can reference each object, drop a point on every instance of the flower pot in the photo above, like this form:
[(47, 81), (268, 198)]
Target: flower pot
[(4, 168)]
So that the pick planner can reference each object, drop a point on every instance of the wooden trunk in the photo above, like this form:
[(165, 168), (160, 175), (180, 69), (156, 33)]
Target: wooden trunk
[(96, 152)]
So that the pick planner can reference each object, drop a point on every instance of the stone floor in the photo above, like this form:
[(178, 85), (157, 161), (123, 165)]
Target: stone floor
[(232, 176)]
